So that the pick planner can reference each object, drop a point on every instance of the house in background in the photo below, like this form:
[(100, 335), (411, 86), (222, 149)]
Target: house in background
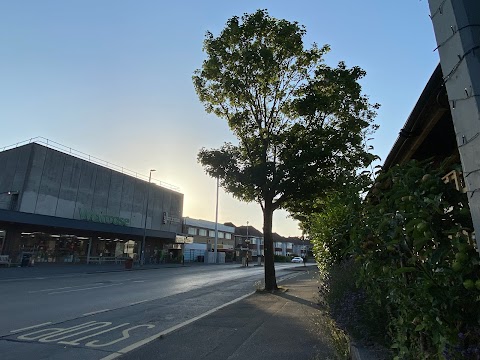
[(203, 234)]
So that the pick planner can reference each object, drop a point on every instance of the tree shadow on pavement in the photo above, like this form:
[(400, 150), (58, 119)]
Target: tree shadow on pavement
[(296, 299)]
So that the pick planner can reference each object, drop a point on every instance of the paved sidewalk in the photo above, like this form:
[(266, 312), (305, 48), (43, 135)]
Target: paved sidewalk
[(264, 326)]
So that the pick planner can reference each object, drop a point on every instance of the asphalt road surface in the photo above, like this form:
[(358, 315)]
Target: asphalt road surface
[(98, 316)]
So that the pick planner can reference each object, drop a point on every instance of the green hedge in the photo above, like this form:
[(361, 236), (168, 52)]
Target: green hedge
[(417, 261)]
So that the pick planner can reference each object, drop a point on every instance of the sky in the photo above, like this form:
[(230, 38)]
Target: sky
[(112, 78)]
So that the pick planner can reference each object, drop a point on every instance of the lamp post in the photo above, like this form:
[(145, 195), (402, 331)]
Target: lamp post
[(216, 227), (142, 250), (248, 244)]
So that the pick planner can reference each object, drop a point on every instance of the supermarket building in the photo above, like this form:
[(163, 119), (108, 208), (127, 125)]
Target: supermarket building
[(62, 207)]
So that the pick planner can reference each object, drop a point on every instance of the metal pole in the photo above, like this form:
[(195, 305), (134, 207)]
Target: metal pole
[(248, 245), (216, 226), (89, 250), (142, 250), (259, 252)]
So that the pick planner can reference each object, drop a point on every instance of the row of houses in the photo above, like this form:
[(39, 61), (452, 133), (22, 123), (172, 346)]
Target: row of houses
[(236, 242), (58, 205)]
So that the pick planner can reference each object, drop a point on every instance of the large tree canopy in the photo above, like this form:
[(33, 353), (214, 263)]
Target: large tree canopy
[(300, 124)]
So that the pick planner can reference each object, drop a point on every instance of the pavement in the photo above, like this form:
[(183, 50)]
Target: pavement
[(286, 324), (263, 326)]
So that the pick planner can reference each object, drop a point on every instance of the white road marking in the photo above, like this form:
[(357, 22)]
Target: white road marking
[(136, 345), (52, 331), (57, 336), (125, 336), (70, 335), (139, 281), (122, 280), (77, 341), (95, 312), (83, 289), (52, 289), (291, 276), (138, 302), (30, 327)]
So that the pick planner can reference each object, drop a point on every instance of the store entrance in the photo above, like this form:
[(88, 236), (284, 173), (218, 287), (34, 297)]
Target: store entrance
[(45, 247)]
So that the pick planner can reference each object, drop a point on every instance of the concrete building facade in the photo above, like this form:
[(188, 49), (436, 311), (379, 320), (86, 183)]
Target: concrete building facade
[(62, 208), (203, 236)]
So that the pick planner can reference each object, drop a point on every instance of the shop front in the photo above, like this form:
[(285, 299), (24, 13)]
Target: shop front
[(69, 248), (45, 239)]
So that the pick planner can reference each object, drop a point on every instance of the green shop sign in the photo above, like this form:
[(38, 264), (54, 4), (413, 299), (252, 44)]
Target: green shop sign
[(100, 218)]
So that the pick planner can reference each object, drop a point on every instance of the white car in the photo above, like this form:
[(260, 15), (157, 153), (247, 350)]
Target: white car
[(297, 259)]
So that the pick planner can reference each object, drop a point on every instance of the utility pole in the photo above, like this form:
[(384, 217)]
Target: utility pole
[(142, 250), (216, 226), (457, 29)]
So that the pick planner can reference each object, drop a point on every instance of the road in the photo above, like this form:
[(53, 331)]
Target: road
[(94, 316)]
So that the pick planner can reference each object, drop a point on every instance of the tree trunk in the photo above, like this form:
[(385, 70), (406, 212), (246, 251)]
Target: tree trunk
[(270, 279)]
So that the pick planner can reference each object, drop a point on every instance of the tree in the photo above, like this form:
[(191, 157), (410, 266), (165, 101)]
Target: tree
[(300, 124)]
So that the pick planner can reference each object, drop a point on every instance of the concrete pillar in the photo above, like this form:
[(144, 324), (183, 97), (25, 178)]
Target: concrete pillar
[(457, 30), (13, 240)]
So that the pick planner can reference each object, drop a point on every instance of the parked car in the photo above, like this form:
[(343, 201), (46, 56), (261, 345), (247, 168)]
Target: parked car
[(297, 259)]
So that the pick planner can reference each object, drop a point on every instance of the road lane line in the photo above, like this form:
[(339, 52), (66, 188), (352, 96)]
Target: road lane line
[(30, 327), (83, 289), (62, 288), (138, 281), (138, 302), (140, 343), (114, 280), (95, 312), (288, 277)]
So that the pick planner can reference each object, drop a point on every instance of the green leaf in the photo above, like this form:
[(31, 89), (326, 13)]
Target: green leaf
[(405, 270), (420, 327)]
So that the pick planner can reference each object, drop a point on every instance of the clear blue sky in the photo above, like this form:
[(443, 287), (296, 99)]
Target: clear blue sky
[(112, 78)]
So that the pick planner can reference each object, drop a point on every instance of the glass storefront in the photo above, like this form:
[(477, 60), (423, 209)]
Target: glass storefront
[(44, 246), (67, 248), (2, 241)]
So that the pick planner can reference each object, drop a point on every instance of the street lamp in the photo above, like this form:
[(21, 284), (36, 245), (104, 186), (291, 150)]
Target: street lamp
[(216, 226), (248, 245), (142, 246)]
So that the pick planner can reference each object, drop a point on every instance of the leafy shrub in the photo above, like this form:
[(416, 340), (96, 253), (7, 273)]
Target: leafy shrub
[(330, 229), (281, 258), (417, 259), (349, 305)]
